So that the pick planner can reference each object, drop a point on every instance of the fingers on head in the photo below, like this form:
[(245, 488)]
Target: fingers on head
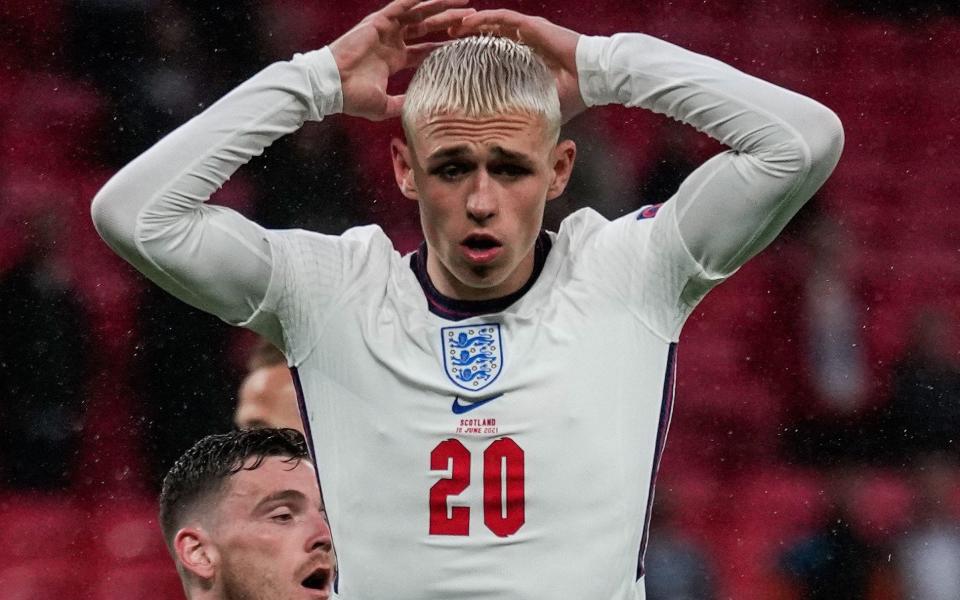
[(418, 52), (439, 22), (399, 7), (410, 11), (500, 22), (393, 108), (500, 16)]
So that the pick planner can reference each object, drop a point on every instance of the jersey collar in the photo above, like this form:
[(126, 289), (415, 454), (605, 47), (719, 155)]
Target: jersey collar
[(456, 310)]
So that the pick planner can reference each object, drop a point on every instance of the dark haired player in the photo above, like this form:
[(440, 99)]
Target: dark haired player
[(489, 411), (242, 517)]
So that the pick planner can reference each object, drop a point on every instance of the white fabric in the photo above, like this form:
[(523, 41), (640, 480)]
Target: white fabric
[(583, 378), (153, 212), (582, 355), (783, 145)]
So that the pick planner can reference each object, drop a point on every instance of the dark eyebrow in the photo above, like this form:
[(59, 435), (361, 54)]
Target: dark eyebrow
[(281, 496), (497, 151), (451, 152), (509, 155)]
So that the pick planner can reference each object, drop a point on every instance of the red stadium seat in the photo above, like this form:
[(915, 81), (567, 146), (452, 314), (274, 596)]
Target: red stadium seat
[(689, 448), (154, 581), (43, 580), (778, 504), (769, 509), (128, 533), (36, 526), (884, 502), (50, 129), (695, 497)]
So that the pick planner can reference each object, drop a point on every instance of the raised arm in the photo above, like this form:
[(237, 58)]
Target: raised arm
[(154, 211), (784, 145)]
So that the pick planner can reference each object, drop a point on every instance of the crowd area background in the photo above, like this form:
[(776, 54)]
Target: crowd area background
[(813, 448)]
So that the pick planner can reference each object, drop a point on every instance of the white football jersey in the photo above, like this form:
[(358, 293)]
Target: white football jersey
[(503, 455), (480, 450)]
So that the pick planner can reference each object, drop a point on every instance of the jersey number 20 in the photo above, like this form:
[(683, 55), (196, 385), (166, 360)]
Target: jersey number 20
[(503, 481)]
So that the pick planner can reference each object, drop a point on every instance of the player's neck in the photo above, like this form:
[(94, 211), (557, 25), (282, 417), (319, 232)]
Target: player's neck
[(453, 303), (447, 283)]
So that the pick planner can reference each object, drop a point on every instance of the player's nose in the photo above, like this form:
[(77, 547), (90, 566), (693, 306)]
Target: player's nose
[(318, 537), (482, 201)]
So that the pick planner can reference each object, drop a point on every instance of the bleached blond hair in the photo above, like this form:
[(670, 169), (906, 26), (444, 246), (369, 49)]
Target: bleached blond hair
[(482, 77)]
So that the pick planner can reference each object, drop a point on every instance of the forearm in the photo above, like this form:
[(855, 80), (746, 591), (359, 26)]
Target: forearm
[(784, 144), (153, 212)]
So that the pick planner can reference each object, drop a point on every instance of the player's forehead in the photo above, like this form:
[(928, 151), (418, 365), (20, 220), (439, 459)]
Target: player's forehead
[(269, 384), (247, 488), (250, 413), (447, 134)]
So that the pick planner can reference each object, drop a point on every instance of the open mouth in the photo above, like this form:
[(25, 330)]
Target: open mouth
[(481, 248), (479, 241), (317, 580)]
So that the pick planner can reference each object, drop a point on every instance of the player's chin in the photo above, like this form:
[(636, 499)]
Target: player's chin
[(483, 277)]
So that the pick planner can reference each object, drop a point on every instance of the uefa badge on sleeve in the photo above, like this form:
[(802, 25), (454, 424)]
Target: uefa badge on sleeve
[(648, 212), (472, 354)]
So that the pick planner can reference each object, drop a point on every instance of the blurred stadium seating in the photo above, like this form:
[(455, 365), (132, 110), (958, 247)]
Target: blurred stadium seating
[(894, 85)]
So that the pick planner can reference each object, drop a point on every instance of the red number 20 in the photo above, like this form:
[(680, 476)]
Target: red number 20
[(503, 482)]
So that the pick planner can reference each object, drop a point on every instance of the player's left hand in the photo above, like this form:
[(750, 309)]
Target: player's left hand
[(556, 45), (381, 45)]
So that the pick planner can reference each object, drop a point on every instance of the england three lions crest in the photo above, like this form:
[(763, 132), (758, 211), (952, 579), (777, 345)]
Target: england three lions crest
[(472, 354)]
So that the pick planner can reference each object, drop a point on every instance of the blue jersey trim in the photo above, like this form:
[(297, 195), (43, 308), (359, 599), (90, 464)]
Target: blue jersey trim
[(302, 405), (666, 410), (453, 309)]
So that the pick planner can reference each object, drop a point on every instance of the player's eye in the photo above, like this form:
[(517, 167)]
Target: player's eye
[(451, 171), (282, 516), (509, 170)]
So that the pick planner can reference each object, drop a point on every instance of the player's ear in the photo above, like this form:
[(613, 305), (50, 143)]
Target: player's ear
[(564, 155), (196, 552), (402, 157)]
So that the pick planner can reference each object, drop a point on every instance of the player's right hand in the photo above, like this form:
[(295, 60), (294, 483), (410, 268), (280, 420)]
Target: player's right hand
[(378, 47)]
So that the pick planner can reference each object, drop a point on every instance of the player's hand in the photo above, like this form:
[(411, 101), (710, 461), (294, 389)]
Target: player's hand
[(556, 45), (377, 47)]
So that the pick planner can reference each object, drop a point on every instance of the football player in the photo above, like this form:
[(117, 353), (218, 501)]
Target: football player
[(495, 403), (242, 517)]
